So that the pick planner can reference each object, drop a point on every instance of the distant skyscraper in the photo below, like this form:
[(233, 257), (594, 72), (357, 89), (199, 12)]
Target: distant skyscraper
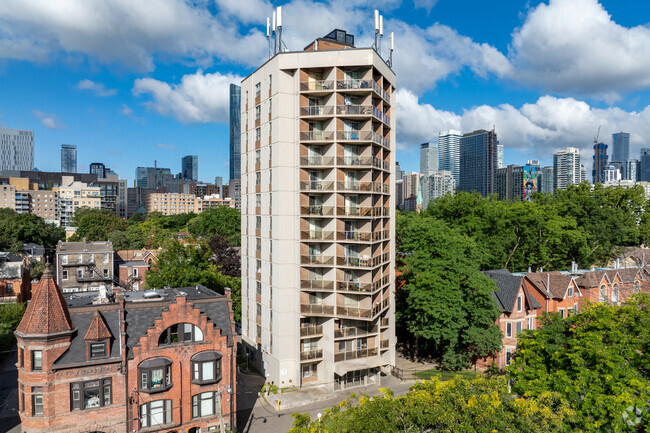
[(235, 131), (545, 180), (428, 158), (583, 174), (620, 146), (612, 173), (399, 173), (449, 153), (152, 177), (99, 169), (510, 182), (566, 168), (644, 165), (632, 170), (68, 158), (437, 184), (190, 167), (410, 185), (478, 160), (600, 161), (16, 149), (499, 156)]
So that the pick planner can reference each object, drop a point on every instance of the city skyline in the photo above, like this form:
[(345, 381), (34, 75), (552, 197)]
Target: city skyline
[(165, 92)]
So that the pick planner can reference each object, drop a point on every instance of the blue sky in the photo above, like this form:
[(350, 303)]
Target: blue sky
[(133, 82)]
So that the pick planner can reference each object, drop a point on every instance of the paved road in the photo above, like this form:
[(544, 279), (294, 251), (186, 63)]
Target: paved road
[(9, 419), (256, 416)]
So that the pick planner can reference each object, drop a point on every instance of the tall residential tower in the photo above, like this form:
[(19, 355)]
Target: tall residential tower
[(449, 152), (68, 158), (566, 168), (16, 149), (478, 162), (318, 250)]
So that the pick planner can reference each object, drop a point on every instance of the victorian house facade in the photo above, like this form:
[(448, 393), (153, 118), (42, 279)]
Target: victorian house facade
[(159, 361)]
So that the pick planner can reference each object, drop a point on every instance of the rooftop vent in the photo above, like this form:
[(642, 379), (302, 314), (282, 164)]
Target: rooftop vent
[(150, 294)]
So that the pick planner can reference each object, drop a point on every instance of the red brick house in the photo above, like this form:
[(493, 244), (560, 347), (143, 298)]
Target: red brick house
[(15, 285), (613, 286), (129, 361), (132, 267), (518, 312), (555, 291)]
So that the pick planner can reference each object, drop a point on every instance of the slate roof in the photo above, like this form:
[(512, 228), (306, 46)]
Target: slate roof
[(133, 263), (82, 320), (552, 284), (508, 287), (12, 270), (593, 278), (47, 312), (98, 330)]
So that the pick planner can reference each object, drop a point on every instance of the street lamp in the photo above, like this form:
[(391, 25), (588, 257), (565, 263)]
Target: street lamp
[(319, 415)]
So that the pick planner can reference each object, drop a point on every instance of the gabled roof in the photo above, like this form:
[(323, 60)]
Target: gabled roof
[(47, 313), (552, 284), (508, 287), (98, 329)]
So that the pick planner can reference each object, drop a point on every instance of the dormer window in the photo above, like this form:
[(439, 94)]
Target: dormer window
[(570, 292), (180, 333), (98, 338), (97, 350)]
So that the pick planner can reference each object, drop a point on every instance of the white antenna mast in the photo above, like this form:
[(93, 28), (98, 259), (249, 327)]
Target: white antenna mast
[(268, 33), (381, 31), (280, 29), (275, 39), (392, 47), (376, 27)]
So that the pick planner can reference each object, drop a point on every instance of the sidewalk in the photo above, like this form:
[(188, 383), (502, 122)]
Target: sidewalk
[(9, 419)]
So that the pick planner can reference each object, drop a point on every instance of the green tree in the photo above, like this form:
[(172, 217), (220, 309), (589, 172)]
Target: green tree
[(456, 406), (17, 229), (445, 307), (96, 224), (181, 265), (10, 316), (219, 220), (597, 360)]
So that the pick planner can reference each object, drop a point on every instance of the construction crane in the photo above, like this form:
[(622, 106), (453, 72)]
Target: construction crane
[(597, 135)]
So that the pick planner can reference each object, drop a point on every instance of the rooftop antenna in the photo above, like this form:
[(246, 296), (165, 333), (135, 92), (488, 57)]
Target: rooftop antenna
[(275, 39), (381, 31), (391, 38), (268, 33), (376, 27), (279, 24)]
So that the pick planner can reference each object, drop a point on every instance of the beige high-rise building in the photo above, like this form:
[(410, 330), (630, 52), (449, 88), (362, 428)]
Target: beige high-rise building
[(317, 188)]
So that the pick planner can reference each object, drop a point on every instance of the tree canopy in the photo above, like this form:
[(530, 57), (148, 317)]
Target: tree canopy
[(455, 406), (17, 229), (186, 265), (219, 220), (598, 360), (445, 307)]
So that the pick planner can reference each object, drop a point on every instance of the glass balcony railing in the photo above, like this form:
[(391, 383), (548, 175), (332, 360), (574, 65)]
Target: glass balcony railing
[(317, 161), (317, 136), (309, 355), (353, 332), (317, 235), (376, 112), (317, 185), (354, 110), (317, 284), (317, 210), (358, 286), (310, 331), (354, 354), (355, 312), (317, 259), (361, 211), (316, 309), (317, 110), (363, 161), (316, 85)]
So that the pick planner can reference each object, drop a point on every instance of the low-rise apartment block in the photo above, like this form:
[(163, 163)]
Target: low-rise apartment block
[(84, 266)]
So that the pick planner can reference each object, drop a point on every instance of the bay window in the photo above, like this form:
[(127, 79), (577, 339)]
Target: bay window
[(155, 374), (206, 367)]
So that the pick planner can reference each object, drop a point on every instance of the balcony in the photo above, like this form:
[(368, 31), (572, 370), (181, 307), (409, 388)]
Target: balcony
[(385, 344), (353, 332), (376, 112), (317, 110), (317, 86), (354, 312), (356, 262), (365, 212), (363, 161), (311, 309), (383, 323), (317, 136), (354, 135), (317, 285), (317, 259), (354, 236), (317, 235), (317, 185), (317, 210), (359, 186), (354, 354), (358, 84), (379, 307), (309, 355), (354, 110), (356, 286), (317, 161), (311, 331)]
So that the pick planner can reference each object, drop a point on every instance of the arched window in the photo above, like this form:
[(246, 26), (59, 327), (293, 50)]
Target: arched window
[(603, 293), (180, 333), (206, 367), (615, 294), (637, 286)]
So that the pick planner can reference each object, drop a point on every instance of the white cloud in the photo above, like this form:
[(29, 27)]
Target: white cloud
[(574, 46), (97, 88), (126, 31), (128, 112), (247, 11), (166, 146), (538, 129), (425, 4), (199, 98), (49, 120)]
